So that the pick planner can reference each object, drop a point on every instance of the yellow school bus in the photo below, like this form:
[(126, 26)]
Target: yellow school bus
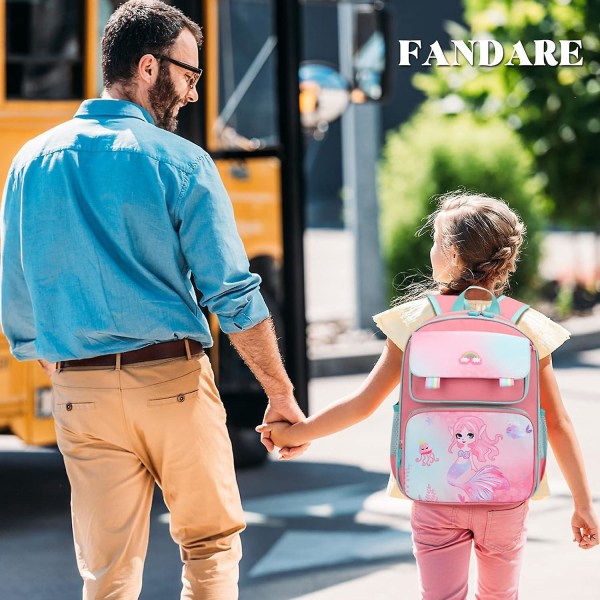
[(50, 62), (248, 118)]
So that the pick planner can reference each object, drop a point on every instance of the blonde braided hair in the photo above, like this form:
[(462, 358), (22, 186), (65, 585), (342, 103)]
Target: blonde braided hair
[(487, 236)]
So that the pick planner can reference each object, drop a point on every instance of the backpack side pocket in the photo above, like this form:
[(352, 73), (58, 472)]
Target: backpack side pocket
[(395, 445), (542, 445)]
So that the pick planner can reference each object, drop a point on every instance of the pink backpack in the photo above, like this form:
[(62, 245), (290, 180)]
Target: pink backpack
[(468, 426)]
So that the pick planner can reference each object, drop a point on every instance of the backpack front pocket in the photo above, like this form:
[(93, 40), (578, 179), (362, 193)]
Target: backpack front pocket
[(468, 366), (480, 455)]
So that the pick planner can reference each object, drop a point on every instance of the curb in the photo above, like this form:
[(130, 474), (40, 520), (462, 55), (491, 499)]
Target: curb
[(342, 359), (337, 360), (585, 335)]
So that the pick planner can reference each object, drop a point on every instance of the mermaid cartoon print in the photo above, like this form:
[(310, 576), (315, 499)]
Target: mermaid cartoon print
[(470, 439)]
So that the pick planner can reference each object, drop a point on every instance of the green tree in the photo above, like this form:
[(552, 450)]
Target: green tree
[(555, 110), (433, 154)]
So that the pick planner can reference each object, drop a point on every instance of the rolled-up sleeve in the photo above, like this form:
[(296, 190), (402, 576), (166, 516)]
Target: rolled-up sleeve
[(214, 251)]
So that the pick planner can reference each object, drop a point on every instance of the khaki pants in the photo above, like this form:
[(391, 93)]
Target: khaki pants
[(120, 430)]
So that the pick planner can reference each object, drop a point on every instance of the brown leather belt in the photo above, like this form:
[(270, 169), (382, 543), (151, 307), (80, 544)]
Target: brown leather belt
[(160, 351)]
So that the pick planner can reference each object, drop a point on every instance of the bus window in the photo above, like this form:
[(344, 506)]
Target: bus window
[(44, 49), (247, 117)]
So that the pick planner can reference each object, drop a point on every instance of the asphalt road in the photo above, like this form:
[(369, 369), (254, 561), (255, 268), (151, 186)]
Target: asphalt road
[(318, 529)]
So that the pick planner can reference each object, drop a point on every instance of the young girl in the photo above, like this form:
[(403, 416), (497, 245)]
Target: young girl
[(476, 241)]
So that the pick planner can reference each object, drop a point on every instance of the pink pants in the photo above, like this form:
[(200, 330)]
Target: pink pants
[(443, 535)]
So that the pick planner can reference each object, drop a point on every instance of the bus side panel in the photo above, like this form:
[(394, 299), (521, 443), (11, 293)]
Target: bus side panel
[(25, 399)]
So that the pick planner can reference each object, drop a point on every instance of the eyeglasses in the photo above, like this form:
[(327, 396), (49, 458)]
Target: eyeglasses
[(192, 80)]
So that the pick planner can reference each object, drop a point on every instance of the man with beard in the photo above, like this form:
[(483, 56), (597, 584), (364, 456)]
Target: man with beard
[(104, 218)]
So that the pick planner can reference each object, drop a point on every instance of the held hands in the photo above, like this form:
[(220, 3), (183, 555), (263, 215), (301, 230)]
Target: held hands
[(280, 433), (284, 412), (585, 527)]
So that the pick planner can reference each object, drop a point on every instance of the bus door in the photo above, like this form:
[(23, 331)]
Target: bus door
[(252, 130)]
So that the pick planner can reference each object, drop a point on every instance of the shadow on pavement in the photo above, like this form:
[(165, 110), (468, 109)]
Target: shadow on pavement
[(303, 532), (34, 486)]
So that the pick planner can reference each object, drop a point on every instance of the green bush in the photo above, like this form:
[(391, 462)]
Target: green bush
[(433, 154)]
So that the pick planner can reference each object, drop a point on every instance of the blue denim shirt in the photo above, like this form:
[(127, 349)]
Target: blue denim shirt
[(104, 218)]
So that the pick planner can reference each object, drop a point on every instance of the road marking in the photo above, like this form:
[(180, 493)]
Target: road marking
[(325, 502), (300, 550)]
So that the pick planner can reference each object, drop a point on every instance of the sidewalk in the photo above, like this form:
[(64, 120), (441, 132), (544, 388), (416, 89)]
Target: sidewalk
[(335, 349)]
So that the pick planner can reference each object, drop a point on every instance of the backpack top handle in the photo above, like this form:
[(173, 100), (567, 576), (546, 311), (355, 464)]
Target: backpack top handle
[(462, 302), (509, 308)]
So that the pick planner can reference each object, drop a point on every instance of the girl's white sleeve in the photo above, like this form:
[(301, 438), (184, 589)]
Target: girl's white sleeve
[(399, 322), (546, 335)]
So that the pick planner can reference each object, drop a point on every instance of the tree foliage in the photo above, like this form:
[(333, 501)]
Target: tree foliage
[(555, 110), (433, 154)]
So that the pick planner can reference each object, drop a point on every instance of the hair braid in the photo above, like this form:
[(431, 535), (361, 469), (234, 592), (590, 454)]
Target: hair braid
[(488, 237)]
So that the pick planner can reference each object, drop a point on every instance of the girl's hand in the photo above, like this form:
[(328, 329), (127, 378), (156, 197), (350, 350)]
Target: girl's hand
[(274, 414), (280, 434), (585, 527)]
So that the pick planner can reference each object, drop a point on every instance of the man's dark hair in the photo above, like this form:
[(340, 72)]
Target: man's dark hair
[(136, 28)]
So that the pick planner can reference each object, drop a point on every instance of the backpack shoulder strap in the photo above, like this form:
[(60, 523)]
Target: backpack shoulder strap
[(512, 309), (441, 304)]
